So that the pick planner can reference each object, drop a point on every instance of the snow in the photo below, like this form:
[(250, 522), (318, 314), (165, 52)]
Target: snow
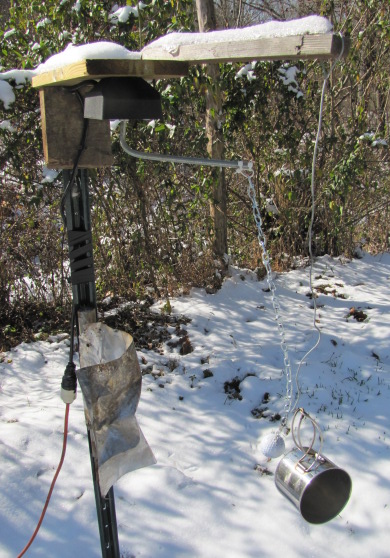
[(288, 75), (72, 54), (307, 25), (49, 175), (379, 141), (248, 70), (114, 124), (204, 496), (9, 33), (122, 14), (7, 125), (370, 136), (43, 22), (19, 76), (101, 50), (7, 95)]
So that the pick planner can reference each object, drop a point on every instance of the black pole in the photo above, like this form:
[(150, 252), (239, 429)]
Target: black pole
[(78, 224)]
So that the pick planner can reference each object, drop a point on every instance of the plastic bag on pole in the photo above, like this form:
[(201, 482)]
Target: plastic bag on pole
[(110, 379)]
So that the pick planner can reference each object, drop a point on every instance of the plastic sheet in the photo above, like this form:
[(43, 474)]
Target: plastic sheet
[(110, 379)]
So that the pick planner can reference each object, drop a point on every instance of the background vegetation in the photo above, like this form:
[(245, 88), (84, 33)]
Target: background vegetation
[(151, 223)]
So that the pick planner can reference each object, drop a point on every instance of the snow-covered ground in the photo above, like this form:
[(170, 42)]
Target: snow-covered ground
[(205, 498)]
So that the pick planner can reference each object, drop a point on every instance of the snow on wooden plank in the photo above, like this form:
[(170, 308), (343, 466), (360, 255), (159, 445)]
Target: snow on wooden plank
[(305, 38), (158, 62), (170, 55), (299, 47)]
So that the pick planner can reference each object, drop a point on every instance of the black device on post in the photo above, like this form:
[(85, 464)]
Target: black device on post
[(130, 98)]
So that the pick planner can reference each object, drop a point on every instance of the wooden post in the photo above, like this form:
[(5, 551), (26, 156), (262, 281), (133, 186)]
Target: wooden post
[(218, 204)]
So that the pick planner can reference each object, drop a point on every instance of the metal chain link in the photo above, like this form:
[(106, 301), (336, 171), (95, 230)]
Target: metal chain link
[(275, 302)]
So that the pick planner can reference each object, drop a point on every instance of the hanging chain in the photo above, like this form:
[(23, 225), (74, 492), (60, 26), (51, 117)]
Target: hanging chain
[(247, 172), (275, 302)]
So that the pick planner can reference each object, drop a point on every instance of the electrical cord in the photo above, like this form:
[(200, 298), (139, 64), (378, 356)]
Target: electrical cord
[(52, 483), (68, 387), (82, 146), (69, 379)]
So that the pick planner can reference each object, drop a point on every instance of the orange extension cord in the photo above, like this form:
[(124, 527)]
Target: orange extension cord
[(52, 484)]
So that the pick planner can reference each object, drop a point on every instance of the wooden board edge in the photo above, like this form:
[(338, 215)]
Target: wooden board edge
[(61, 165), (103, 68), (61, 75), (43, 125)]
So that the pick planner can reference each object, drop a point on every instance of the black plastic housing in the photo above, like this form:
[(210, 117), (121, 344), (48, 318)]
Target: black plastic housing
[(122, 98)]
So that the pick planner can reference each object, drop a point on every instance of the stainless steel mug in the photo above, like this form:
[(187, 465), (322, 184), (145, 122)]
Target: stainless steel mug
[(315, 485)]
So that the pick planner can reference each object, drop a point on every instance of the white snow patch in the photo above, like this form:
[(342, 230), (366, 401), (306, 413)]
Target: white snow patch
[(171, 128), (248, 71), (43, 22), (7, 95), (103, 50), (64, 35), (121, 15), (367, 136), (7, 125), (19, 76), (114, 124), (49, 175), (9, 33), (370, 136), (379, 141), (288, 76)]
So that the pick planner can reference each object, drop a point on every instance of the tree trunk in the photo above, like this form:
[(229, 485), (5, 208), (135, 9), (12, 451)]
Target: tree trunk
[(207, 22)]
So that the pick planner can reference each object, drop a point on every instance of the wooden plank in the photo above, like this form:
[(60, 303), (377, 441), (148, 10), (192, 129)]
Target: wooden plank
[(62, 129), (159, 63), (98, 69), (297, 47)]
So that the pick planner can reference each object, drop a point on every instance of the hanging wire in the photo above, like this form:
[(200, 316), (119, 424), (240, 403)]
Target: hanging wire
[(311, 225), (291, 401), (307, 450)]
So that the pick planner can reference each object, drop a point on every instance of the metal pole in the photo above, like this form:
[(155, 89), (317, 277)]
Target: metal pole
[(78, 220)]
